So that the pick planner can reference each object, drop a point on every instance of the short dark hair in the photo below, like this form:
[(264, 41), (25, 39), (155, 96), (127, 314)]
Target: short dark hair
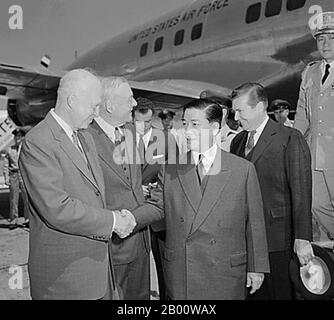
[(256, 93), (143, 106), (213, 109)]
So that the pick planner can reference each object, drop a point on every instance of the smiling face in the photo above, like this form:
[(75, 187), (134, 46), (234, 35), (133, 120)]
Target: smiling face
[(325, 44), (248, 115), (87, 105)]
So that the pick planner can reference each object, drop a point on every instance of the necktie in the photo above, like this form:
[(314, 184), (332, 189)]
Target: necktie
[(118, 136), (250, 142), (326, 74), (76, 143), (200, 169), (141, 147)]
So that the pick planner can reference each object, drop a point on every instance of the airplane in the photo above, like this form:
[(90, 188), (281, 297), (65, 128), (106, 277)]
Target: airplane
[(205, 48)]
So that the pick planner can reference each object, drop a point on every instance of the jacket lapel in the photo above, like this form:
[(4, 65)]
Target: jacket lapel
[(329, 81), (217, 180), (87, 144), (131, 150), (69, 148), (265, 139), (189, 182), (105, 149)]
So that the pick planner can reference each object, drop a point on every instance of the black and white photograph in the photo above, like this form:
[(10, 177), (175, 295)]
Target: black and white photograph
[(179, 153)]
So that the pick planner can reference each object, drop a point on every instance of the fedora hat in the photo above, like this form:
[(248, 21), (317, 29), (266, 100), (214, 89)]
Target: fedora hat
[(314, 281)]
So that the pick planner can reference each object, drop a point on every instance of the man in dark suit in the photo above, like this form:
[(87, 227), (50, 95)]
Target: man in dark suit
[(121, 167), (215, 233), (283, 164), (70, 226)]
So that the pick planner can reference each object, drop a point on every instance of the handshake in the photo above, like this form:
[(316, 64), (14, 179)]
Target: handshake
[(125, 222)]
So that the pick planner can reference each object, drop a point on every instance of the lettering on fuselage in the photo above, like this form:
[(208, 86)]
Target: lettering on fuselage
[(179, 19)]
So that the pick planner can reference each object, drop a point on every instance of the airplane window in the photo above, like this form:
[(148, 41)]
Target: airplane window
[(158, 44), (273, 8), (179, 36), (295, 4), (196, 31), (253, 12), (143, 49)]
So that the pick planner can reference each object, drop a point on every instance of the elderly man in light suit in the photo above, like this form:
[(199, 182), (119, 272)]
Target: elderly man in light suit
[(315, 119), (70, 226), (215, 234), (121, 167)]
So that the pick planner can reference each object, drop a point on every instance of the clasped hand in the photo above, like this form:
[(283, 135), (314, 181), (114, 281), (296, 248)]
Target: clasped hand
[(125, 223)]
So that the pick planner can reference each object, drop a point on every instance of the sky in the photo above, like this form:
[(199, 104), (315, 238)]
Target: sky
[(61, 27)]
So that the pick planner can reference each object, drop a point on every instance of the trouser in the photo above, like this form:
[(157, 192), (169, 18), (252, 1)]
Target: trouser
[(134, 278), (15, 186), (158, 245), (276, 284), (323, 205)]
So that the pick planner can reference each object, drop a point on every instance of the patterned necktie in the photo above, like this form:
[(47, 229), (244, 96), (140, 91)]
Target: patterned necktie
[(118, 136), (200, 169), (250, 142), (77, 144), (326, 73)]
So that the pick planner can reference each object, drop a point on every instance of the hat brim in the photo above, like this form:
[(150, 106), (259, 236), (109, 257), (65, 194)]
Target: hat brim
[(327, 255)]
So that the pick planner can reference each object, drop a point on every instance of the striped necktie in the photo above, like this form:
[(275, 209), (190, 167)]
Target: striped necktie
[(250, 142), (200, 168)]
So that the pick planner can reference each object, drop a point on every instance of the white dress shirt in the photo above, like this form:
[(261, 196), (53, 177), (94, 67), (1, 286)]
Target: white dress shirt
[(259, 130), (209, 157), (146, 138)]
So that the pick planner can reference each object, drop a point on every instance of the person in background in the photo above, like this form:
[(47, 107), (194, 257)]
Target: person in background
[(315, 120), (226, 134), (14, 180), (283, 164), (148, 137), (167, 117), (280, 110)]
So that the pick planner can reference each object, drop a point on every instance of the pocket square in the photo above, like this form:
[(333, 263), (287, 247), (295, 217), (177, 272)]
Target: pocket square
[(158, 156)]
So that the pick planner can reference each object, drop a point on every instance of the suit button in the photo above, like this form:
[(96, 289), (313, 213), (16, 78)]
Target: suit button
[(321, 121), (319, 134), (189, 241), (182, 219), (321, 107), (97, 193), (213, 241)]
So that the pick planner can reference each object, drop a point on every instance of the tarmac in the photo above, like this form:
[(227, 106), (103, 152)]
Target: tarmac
[(14, 249)]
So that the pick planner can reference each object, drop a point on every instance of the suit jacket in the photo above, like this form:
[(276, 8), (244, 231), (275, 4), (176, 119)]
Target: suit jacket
[(69, 225), (315, 119), (160, 145), (124, 194), (283, 165), (213, 239)]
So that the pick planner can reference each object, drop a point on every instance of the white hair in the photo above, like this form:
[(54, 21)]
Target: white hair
[(109, 84)]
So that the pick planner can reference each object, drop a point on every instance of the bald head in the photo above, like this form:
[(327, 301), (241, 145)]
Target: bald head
[(79, 97)]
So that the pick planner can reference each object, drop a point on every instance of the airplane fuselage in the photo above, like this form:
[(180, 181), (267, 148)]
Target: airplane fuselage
[(230, 46)]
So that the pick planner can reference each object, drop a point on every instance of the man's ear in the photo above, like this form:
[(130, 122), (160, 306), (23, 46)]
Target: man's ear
[(215, 127), (71, 100), (110, 107)]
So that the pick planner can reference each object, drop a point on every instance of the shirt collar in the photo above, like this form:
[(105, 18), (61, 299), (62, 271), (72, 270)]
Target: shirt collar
[(209, 156), (324, 65), (108, 129), (64, 125), (260, 129), (146, 137)]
